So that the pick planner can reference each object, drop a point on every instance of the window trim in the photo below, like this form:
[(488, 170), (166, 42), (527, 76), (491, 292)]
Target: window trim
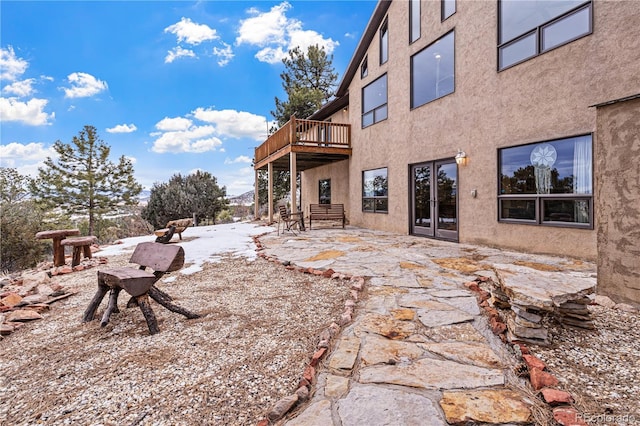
[(539, 199), (384, 44), (538, 32), (374, 198), (376, 108)]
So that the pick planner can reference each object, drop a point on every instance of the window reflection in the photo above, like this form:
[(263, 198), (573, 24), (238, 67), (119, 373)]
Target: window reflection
[(530, 27), (374, 190), (374, 102), (432, 71)]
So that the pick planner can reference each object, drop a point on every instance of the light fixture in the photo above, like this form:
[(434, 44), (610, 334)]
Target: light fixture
[(461, 158)]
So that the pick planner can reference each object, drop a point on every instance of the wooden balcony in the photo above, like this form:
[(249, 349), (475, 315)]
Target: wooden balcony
[(314, 142)]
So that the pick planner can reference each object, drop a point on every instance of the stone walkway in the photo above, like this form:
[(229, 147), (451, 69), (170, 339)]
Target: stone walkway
[(418, 351)]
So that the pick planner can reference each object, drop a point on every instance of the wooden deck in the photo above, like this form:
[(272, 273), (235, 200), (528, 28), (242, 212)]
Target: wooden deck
[(314, 142)]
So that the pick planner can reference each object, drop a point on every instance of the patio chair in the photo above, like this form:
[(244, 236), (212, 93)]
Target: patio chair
[(289, 221)]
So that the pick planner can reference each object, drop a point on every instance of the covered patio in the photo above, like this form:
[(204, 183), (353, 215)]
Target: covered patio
[(297, 146)]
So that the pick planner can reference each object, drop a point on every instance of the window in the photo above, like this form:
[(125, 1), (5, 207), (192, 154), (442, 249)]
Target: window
[(324, 191), (448, 8), (547, 183), (384, 42), (432, 71), (374, 102), (414, 20), (364, 68), (529, 28), (374, 191)]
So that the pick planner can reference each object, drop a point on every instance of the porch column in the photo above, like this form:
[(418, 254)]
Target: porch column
[(270, 190), (293, 181), (256, 197)]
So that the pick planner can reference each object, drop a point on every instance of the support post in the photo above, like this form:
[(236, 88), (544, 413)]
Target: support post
[(294, 182), (270, 185), (256, 197)]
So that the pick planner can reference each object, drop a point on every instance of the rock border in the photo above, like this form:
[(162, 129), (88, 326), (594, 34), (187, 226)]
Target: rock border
[(308, 376)]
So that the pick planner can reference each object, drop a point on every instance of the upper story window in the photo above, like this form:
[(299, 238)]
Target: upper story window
[(374, 191), (364, 68), (384, 42), (374, 102), (414, 20), (448, 8), (531, 27), (432, 71), (547, 183)]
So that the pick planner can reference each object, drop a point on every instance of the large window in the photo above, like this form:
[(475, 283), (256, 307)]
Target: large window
[(374, 191), (448, 8), (414, 20), (547, 183), (374, 102), (384, 42), (432, 71), (324, 191), (528, 28)]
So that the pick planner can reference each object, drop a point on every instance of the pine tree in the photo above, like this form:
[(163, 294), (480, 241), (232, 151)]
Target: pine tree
[(308, 80), (83, 180)]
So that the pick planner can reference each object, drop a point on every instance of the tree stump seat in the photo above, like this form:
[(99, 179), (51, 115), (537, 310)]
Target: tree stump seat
[(140, 283), (81, 245)]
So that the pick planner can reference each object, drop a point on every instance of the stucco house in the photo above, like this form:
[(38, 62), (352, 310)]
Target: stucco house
[(511, 124)]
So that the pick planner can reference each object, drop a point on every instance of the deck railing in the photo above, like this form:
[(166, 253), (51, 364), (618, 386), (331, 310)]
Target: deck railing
[(305, 132)]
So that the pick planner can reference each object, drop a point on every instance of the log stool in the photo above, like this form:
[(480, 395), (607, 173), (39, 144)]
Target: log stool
[(80, 245), (140, 283)]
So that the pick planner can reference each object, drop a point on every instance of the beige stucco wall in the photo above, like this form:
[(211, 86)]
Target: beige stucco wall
[(544, 98), (338, 173), (618, 200)]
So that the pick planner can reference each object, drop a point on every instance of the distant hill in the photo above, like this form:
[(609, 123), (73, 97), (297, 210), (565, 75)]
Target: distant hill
[(245, 199)]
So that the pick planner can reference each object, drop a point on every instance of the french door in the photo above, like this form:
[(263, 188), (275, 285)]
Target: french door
[(434, 199)]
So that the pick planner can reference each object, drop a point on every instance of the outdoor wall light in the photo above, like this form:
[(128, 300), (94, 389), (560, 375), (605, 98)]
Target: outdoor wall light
[(461, 158)]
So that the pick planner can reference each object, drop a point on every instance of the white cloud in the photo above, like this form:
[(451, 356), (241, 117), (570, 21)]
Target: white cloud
[(225, 54), (11, 67), (191, 33), (30, 112), (237, 181), (21, 88), (276, 34), (83, 85), (177, 123), (122, 128), (239, 159), (25, 158), (178, 52), (196, 139), (235, 124), (133, 160)]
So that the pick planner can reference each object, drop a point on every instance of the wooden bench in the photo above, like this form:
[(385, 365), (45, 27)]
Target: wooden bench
[(140, 283), (326, 212), (164, 235), (81, 245)]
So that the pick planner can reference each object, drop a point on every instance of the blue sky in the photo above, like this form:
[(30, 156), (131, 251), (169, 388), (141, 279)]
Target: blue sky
[(176, 86)]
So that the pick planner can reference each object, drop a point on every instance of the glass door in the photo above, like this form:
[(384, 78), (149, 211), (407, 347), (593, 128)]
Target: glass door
[(434, 200)]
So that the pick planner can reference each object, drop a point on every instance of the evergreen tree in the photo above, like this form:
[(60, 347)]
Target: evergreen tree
[(308, 80), (196, 194), (83, 180), (19, 219)]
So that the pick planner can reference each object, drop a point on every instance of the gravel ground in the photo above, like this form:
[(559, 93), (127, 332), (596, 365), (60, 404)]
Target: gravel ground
[(600, 368), (229, 368)]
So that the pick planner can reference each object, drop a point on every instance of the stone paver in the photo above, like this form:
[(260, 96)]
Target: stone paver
[(418, 350)]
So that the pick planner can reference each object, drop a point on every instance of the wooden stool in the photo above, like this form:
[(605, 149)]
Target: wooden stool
[(140, 283), (80, 245)]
